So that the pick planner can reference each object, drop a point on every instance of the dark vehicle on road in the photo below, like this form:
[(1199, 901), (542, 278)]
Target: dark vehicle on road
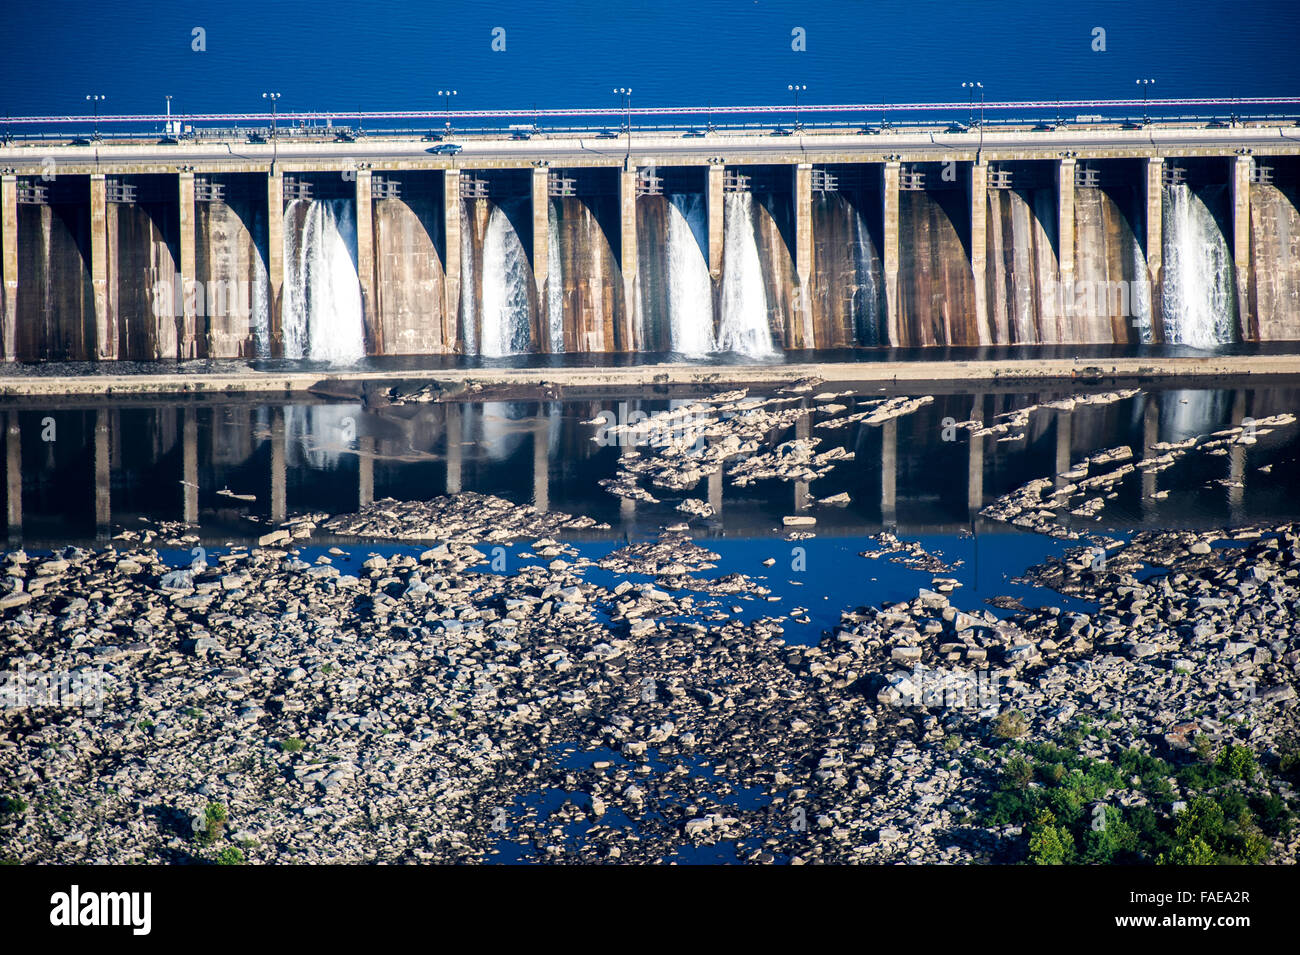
[(446, 149)]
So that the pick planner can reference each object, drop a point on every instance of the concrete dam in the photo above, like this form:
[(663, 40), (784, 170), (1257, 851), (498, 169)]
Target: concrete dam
[(146, 254)]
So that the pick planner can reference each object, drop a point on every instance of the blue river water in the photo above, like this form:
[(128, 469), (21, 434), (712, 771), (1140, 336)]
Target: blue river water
[(334, 55)]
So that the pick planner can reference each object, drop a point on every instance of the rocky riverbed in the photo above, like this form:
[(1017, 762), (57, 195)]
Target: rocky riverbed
[(428, 707)]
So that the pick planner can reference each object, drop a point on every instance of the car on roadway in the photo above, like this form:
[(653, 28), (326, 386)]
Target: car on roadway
[(607, 134), (345, 136), (781, 131), (431, 137), (256, 139), (693, 134), (168, 141), (957, 128), (80, 141), (446, 149)]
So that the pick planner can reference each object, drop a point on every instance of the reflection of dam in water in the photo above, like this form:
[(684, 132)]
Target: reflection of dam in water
[(691, 259), (218, 463)]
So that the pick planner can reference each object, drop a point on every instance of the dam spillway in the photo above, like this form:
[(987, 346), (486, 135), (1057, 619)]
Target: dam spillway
[(329, 259)]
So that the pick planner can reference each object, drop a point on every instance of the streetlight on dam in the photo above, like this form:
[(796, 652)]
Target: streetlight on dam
[(796, 89), (446, 106), (970, 117), (1144, 83), (275, 145), (626, 93), (96, 98)]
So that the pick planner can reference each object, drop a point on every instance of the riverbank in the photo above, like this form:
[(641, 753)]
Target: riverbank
[(575, 381)]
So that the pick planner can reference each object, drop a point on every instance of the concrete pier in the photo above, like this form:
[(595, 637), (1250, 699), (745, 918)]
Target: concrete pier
[(187, 337), (542, 242), (1154, 247), (979, 207), (803, 246), (275, 259), (451, 265), (1065, 170), (802, 432), (715, 491), (9, 266), (889, 252), (715, 206), (1240, 191), (105, 327), (629, 340), (366, 261), (716, 218)]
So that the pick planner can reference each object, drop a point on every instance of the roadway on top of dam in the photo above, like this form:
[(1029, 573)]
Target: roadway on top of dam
[(908, 146)]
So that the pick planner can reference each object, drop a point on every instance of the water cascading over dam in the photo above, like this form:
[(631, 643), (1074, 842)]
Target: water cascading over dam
[(497, 298), (1198, 294), (321, 313), (744, 325), (848, 303), (676, 292)]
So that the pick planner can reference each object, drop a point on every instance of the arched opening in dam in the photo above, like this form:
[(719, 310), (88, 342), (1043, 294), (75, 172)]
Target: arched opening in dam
[(936, 287), (56, 299)]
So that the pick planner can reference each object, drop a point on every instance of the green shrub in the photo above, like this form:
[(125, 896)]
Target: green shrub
[(1238, 762), (1018, 773), (1010, 725), (12, 805), (292, 745), (212, 822), (1050, 844), (230, 856)]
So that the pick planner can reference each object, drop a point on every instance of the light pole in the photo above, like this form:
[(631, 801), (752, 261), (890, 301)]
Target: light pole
[(970, 117), (168, 128), (626, 93), (796, 89), (1144, 83), (96, 98), (275, 143), (446, 106)]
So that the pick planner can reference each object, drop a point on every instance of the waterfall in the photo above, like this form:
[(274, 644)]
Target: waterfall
[(690, 289), (506, 277), (1198, 291), (554, 281), (1140, 300), (322, 296), (866, 297), (744, 327), (260, 320), (469, 295)]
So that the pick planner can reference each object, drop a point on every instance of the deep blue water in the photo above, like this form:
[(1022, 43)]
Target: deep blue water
[(333, 55)]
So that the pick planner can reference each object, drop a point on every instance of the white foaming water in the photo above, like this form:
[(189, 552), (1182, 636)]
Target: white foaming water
[(505, 289), (1140, 300), (260, 320), (322, 295), (554, 282), (690, 290), (866, 298), (1198, 292), (320, 435), (744, 327), (468, 294)]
